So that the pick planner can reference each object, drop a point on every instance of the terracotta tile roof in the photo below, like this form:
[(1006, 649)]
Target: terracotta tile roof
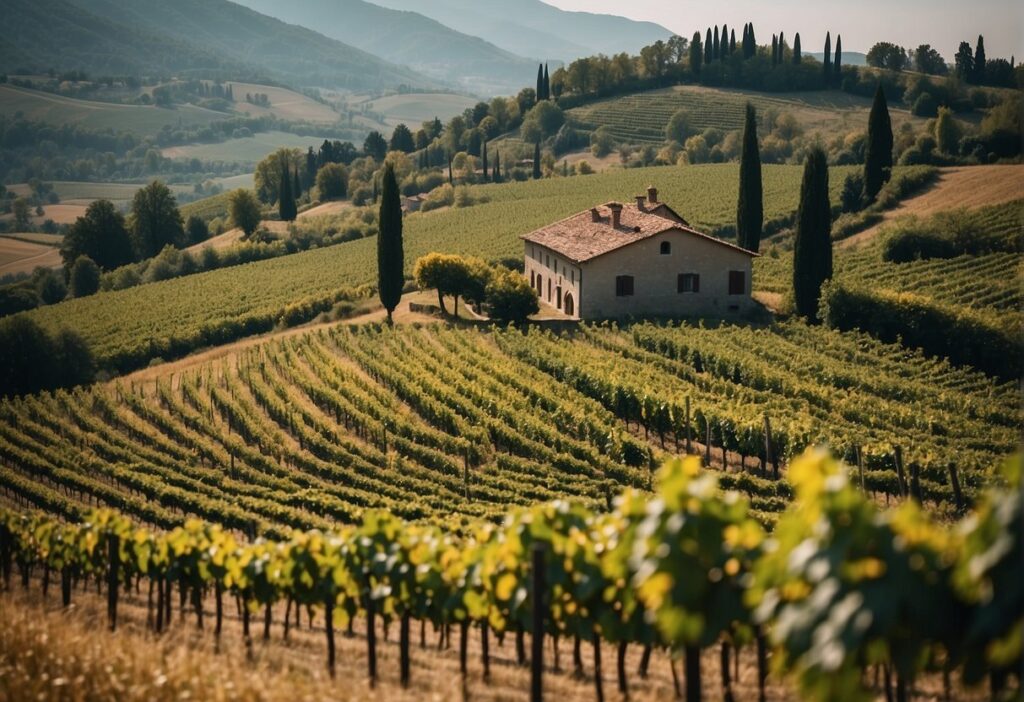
[(579, 238)]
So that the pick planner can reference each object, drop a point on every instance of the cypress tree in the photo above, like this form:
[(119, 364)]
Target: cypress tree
[(497, 167), (297, 184), (743, 41), (547, 83), (696, 54), (708, 47), (750, 208), (536, 161), (837, 62), (796, 48), (775, 50), (725, 42), (390, 254), (732, 41), (285, 199), (878, 154), (812, 250), (782, 48), (540, 82), (752, 39), (979, 61), (827, 60), (716, 51), (451, 180), (485, 161)]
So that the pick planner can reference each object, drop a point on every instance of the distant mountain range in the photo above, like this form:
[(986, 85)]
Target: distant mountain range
[(484, 47), (534, 28), (161, 37), (410, 39)]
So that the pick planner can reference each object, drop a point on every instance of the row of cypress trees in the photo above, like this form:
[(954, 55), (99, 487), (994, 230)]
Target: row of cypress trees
[(543, 83), (812, 250)]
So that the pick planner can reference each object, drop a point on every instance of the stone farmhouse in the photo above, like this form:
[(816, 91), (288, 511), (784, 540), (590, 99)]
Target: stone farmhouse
[(641, 260)]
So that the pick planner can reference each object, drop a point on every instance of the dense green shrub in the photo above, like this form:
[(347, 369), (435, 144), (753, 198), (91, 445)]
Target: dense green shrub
[(32, 360), (963, 336)]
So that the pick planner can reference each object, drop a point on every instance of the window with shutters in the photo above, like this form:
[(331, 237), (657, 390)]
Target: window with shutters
[(688, 283), (737, 283), (623, 285)]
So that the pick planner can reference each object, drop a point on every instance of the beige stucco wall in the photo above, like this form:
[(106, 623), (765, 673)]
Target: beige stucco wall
[(655, 279), (555, 271)]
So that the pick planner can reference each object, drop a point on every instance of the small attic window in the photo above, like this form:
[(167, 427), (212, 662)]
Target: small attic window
[(666, 248)]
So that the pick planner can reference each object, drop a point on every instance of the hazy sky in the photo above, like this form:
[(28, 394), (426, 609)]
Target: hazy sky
[(941, 23)]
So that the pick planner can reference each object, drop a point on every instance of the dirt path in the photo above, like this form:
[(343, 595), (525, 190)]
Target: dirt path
[(402, 315), (961, 187)]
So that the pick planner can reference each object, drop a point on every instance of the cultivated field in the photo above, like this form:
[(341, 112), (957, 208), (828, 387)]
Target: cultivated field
[(247, 150), (704, 195), (642, 117), (141, 119), (284, 104), (21, 256), (81, 193), (414, 108)]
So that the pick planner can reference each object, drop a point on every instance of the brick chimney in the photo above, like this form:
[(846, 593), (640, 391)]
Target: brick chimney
[(652, 194), (616, 209), (595, 216), (640, 203)]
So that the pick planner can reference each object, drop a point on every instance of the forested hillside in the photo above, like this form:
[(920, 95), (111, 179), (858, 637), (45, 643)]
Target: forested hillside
[(208, 38)]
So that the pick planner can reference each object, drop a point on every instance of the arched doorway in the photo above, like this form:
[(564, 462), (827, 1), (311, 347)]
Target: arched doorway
[(570, 308)]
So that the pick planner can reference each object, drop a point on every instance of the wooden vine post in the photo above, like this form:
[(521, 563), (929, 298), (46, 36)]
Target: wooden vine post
[(900, 475), (329, 628), (769, 451), (689, 429), (537, 625), (691, 656), (860, 468), (954, 480), (114, 553)]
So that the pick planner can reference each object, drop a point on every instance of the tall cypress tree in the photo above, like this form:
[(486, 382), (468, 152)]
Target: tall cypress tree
[(775, 50), (750, 208), (297, 184), (536, 161), (390, 253), (485, 161), (752, 39), (732, 41), (716, 50), (497, 167), (451, 180), (285, 199), (708, 48), (540, 82), (796, 48), (827, 60), (979, 61), (696, 54), (812, 250), (725, 42), (878, 154), (782, 48), (837, 76), (547, 83)]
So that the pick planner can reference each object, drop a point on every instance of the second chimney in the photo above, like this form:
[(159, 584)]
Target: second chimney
[(595, 216), (652, 194), (616, 210), (640, 202)]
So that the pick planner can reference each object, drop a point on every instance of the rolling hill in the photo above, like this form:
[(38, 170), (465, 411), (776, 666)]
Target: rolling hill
[(534, 28), (140, 119), (410, 39), (198, 37)]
